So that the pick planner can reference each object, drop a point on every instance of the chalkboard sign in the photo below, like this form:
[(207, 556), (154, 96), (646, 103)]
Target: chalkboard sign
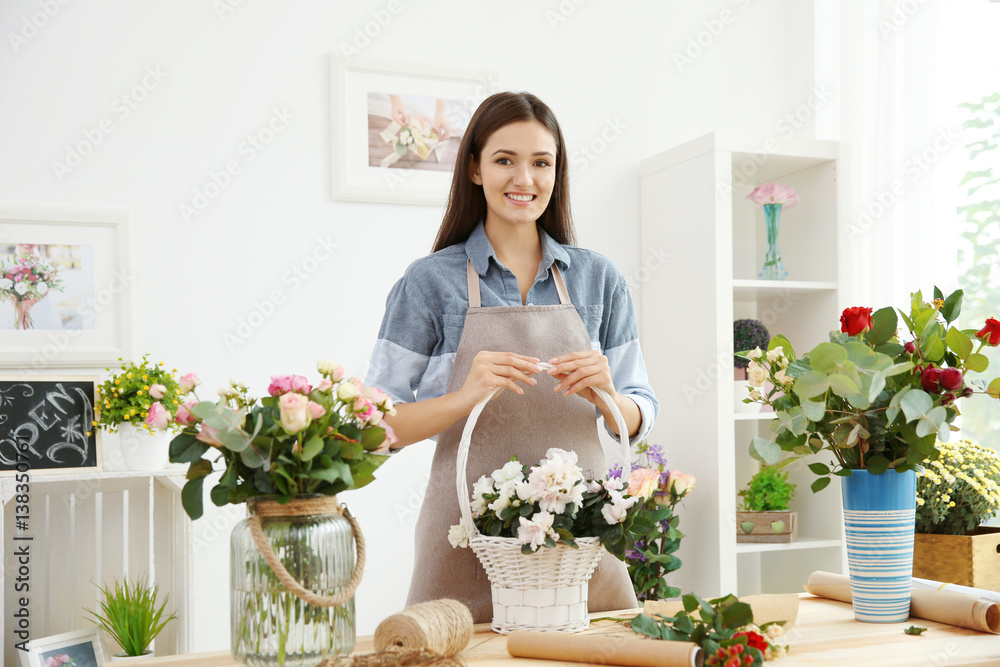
[(48, 420)]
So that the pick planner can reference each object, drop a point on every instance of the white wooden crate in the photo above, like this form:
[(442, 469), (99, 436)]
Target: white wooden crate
[(89, 529)]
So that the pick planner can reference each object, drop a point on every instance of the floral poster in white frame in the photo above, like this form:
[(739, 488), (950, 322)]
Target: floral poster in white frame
[(397, 127), (80, 648), (66, 282)]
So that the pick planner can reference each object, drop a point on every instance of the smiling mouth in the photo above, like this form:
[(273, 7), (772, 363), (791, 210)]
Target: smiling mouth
[(519, 197)]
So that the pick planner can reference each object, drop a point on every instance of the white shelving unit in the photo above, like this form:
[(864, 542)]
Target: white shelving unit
[(93, 528), (694, 208)]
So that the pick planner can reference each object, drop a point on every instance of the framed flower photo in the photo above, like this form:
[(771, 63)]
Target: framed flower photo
[(66, 282), (80, 648), (397, 127)]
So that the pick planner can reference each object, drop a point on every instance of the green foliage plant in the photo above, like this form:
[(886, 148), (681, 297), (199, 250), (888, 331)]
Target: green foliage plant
[(722, 627), (129, 613), (867, 398), (768, 491)]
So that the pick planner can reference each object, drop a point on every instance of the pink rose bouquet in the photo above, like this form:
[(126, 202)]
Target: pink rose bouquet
[(26, 279), (302, 438)]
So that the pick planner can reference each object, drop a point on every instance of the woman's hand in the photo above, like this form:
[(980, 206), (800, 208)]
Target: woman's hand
[(581, 372), (496, 369), (399, 112)]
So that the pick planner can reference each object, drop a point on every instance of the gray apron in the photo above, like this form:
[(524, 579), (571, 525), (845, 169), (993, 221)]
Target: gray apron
[(524, 425)]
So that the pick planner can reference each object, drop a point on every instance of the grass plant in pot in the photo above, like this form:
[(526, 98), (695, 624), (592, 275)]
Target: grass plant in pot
[(748, 335), (765, 516), (130, 614), (873, 406), (138, 402), (293, 571), (956, 494)]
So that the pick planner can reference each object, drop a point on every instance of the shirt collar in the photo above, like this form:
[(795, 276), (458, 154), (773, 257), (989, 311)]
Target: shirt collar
[(479, 250)]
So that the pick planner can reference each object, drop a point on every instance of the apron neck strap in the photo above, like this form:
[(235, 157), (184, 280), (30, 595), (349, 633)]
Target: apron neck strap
[(475, 300)]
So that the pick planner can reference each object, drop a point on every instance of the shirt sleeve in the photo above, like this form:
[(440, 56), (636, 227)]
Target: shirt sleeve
[(406, 341), (620, 345)]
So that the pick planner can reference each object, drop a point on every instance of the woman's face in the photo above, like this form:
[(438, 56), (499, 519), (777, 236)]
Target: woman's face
[(517, 169)]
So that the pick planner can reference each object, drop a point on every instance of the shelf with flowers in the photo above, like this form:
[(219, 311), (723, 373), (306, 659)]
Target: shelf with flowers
[(287, 455), (877, 406), (956, 495)]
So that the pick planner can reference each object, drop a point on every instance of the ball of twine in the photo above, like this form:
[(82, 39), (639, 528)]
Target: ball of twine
[(442, 626)]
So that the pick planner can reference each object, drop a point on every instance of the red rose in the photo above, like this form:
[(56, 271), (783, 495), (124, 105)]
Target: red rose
[(990, 334), (930, 380), (856, 320), (753, 639), (950, 379)]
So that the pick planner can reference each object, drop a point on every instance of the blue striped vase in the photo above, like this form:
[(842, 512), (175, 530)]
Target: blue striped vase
[(878, 520)]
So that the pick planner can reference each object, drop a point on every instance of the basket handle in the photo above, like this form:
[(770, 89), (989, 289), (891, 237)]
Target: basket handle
[(462, 484)]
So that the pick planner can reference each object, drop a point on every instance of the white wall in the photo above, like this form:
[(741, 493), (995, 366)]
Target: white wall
[(225, 73)]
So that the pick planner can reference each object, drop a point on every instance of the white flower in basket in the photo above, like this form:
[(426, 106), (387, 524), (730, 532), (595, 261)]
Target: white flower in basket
[(539, 532)]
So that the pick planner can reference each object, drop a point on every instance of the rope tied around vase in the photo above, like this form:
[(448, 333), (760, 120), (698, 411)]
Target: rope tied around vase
[(305, 507)]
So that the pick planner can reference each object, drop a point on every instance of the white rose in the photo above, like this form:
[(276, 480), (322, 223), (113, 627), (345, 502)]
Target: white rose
[(783, 377), (346, 391), (775, 354), (458, 536), (42, 288), (755, 354), (756, 374), (754, 395), (21, 288), (6, 283)]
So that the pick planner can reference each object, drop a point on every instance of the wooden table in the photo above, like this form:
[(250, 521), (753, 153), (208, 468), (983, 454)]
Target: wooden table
[(825, 633)]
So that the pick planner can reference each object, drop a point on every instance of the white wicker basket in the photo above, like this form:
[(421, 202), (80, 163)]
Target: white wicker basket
[(545, 590)]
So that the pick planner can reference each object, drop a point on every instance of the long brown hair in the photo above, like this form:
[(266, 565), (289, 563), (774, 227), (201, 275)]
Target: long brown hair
[(467, 203)]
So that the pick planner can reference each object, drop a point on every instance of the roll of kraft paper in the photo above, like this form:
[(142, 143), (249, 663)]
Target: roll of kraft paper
[(603, 649), (958, 609)]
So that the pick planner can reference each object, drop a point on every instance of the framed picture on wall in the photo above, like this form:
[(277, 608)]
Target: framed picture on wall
[(397, 127), (80, 648), (66, 281)]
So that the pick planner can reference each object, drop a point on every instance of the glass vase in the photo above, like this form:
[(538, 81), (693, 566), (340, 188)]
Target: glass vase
[(270, 625), (773, 268)]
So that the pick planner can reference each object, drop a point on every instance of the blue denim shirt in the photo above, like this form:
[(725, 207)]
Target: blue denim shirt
[(425, 315)]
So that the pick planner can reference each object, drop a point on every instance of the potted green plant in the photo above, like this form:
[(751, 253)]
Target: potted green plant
[(765, 516), (129, 613), (956, 494), (139, 402), (748, 335), (875, 405)]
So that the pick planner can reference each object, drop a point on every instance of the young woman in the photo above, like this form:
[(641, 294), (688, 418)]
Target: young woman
[(504, 290)]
